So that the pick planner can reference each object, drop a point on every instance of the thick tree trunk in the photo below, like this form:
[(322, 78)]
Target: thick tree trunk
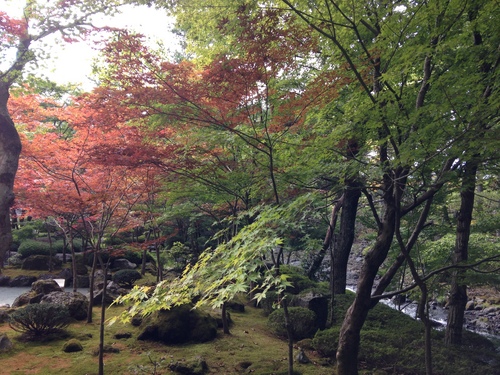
[(458, 292), (344, 240), (10, 149)]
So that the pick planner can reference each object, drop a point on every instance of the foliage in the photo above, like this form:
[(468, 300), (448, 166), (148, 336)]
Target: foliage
[(126, 278), (33, 247), (302, 320), (39, 319), (27, 231)]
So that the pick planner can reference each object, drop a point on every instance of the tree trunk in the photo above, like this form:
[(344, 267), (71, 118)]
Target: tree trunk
[(91, 287), (349, 339), (10, 149), (344, 240), (458, 292)]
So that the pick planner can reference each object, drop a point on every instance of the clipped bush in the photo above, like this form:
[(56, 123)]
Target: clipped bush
[(32, 247), (326, 342), (72, 346), (126, 278), (38, 320), (302, 320)]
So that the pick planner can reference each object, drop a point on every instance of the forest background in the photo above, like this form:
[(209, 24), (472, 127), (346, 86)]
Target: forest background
[(283, 131)]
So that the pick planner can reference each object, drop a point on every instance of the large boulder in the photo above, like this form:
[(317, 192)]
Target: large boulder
[(41, 263), (180, 325), (27, 298), (45, 286), (39, 288), (123, 264), (76, 302), (315, 302), (113, 291), (22, 280)]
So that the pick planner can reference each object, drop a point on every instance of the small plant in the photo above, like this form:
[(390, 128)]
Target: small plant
[(38, 320), (126, 278), (303, 322)]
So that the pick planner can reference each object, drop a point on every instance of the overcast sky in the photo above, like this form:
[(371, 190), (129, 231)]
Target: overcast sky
[(72, 62)]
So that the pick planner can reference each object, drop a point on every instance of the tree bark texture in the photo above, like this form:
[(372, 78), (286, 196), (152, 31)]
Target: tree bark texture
[(458, 292), (10, 149), (349, 339), (344, 240)]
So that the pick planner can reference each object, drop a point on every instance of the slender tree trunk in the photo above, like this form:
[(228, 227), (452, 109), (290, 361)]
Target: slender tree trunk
[(289, 331), (10, 149), (73, 260), (344, 240), (225, 323), (91, 287), (458, 292), (103, 316), (327, 242)]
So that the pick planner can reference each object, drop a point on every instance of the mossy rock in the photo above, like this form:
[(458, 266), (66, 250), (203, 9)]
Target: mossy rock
[(180, 325), (303, 322), (72, 346)]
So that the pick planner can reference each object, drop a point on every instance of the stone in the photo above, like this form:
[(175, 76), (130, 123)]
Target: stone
[(4, 280), (72, 346), (180, 325), (40, 263), (27, 298), (314, 302), (5, 343), (113, 291), (301, 357), (45, 286), (22, 280), (122, 335), (470, 306), (76, 302), (123, 264)]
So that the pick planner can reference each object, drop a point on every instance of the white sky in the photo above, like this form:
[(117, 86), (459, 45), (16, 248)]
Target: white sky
[(72, 63)]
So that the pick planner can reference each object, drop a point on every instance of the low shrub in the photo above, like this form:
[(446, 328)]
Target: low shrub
[(302, 320), (38, 320), (126, 278), (32, 247), (326, 342)]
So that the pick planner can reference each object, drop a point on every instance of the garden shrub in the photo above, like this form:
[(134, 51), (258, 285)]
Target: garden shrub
[(38, 320), (32, 247), (326, 342), (126, 278), (302, 320)]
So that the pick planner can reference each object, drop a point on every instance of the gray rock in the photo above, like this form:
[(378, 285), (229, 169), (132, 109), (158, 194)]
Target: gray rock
[(5, 343), (4, 280), (27, 299), (76, 303), (113, 291), (45, 286), (301, 357), (22, 280), (123, 264)]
